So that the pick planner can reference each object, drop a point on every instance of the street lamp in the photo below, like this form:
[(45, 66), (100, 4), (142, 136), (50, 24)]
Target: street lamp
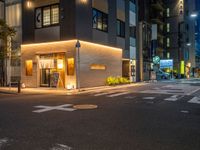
[(188, 44), (194, 15), (78, 45)]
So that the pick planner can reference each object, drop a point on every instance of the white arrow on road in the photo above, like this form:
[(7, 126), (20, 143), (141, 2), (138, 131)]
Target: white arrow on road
[(195, 100), (50, 108)]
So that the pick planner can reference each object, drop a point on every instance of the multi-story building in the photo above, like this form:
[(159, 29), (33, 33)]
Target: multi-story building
[(78, 42), (179, 33), (156, 12), (197, 34), (13, 17), (2, 17), (151, 37)]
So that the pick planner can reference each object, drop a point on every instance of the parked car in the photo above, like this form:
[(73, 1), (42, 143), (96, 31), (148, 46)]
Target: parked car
[(162, 75)]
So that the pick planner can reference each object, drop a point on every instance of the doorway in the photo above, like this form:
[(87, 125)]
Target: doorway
[(45, 78)]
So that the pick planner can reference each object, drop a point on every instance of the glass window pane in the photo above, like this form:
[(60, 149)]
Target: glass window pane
[(94, 18), (99, 21), (46, 16), (55, 14)]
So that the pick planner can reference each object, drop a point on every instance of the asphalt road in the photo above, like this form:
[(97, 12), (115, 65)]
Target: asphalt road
[(156, 116)]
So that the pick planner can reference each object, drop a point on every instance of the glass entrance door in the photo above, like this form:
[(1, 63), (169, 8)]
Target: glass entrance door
[(45, 78)]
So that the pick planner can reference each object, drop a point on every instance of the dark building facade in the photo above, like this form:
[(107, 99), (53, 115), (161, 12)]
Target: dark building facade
[(111, 23)]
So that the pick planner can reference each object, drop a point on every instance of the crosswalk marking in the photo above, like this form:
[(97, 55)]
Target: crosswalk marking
[(172, 98), (61, 147), (118, 94), (3, 142), (104, 93), (149, 98), (194, 100)]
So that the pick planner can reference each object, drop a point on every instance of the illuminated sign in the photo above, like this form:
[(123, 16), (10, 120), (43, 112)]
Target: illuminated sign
[(181, 7), (156, 60), (166, 63), (182, 67)]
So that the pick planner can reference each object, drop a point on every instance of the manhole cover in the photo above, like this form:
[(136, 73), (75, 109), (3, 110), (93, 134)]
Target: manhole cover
[(85, 106)]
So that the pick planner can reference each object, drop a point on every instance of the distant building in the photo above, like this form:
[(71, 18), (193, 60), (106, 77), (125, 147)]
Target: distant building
[(180, 35), (197, 34), (2, 16), (151, 34)]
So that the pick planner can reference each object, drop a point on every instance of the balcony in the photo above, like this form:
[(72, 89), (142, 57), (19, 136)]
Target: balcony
[(157, 4)]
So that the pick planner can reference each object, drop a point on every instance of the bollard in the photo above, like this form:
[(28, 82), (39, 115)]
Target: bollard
[(19, 87)]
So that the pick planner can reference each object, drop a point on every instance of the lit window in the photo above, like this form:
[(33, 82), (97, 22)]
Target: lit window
[(168, 42), (29, 67), (100, 20), (46, 16), (168, 12), (54, 14), (13, 15), (168, 27), (70, 66), (97, 67), (168, 55)]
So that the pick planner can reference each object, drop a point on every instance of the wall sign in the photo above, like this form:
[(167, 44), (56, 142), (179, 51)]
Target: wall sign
[(166, 63), (38, 18)]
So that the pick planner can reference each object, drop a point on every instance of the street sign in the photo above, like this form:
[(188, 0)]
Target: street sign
[(156, 60), (166, 63)]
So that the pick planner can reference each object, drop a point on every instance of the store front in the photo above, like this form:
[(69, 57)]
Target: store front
[(54, 64), (52, 72)]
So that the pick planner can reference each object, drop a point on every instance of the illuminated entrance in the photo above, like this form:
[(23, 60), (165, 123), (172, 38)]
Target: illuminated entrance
[(52, 70)]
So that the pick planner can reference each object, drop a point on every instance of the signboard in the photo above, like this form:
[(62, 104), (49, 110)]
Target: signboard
[(166, 63), (54, 79), (153, 75), (156, 60), (38, 18)]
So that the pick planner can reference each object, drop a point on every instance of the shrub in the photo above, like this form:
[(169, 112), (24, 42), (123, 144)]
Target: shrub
[(117, 80)]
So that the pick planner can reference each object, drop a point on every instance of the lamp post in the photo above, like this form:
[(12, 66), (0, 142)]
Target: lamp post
[(78, 45)]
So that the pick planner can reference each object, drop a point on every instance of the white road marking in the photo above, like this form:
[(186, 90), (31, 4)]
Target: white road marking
[(50, 108), (106, 93), (184, 111), (129, 97), (118, 94), (149, 98), (193, 91), (3, 142), (61, 147), (194, 100), (172, 98)]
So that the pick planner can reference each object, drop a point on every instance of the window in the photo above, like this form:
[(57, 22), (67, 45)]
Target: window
[(100, 20), (168, 12), (70, 66), (55, 14), (120, 28), (47, 16), (29, 67), (168, 42), (168, 27), (97, 67), (13, 15), (168, 55)]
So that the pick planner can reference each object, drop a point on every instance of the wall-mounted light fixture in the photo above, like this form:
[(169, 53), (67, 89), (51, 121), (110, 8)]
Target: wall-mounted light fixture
[(60, 64), (83, 1), (28, 4)]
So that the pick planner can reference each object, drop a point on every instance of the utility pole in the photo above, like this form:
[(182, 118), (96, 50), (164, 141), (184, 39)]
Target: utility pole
[(78, 45)]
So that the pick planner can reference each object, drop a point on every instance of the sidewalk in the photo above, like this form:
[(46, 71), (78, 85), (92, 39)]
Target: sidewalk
[(54, 91)]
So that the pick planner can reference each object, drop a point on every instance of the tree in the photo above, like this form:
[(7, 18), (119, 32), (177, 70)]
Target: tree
[(6, 32)]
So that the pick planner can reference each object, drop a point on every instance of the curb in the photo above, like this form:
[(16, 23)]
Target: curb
[(73, 92)]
